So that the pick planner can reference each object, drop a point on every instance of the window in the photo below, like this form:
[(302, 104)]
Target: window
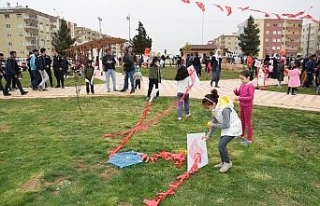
[(9, 43), (21, 34), (8, 35), (278, 40), (267, 40), (19, 16), (21, 43), (274, 40), (279, 32), (274, 32), (275, 24), (8, 26), (268, 24), (7, 16), (280, 25), (278, 48), (267, 32), (273, 48)]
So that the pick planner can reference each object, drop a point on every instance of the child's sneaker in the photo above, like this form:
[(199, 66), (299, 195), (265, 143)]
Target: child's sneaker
[(218, 165), (188, 115), (245, 142), (225, 167), (179, 118)]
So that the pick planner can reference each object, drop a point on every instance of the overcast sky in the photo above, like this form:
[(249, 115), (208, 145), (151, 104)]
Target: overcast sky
[(170, 23)]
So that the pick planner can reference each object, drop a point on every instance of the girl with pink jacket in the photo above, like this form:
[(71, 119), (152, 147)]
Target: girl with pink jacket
[(294, 79)]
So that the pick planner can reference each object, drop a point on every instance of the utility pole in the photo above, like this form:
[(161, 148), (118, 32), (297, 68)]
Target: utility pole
[(309, 30), (100, 33), (129, 19)]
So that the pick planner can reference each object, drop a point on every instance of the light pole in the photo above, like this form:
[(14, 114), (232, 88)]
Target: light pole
[(128, 19), (100, 19), (309, 28)]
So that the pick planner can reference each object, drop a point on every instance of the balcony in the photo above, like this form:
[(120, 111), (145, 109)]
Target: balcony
[(30, 38), (31, 19), (30, 47), (31, 28)]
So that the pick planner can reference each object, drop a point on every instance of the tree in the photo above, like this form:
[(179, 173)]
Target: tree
[(62, 38), (249, 39), (141, 40)]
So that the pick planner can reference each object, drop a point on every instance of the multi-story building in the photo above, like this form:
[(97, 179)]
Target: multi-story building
[(228, 43), (24, 29), (313, 37), (277, 34)]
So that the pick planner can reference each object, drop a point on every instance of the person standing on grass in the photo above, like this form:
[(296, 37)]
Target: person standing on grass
[(58, 69), (109, 66), (137, 78), (2, 69), (310, 70), (48, 68), (215, 73), (29, 68), (154, 77), (294, 79), (41, 66), (89, 77), (34, 70), (128, 67), (183, 83), (197, 64), (11, 74), (280, 70), (245, 95), (224, 117)]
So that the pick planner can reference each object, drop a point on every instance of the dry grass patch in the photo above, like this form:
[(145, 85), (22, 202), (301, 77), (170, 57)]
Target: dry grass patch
[(32, 185), (259, 175)]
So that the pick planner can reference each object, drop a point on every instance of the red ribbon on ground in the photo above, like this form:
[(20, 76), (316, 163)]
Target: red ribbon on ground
[(175, 184), (178, 158)]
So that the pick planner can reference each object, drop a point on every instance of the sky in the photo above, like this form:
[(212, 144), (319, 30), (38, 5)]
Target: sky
[(170, 23)]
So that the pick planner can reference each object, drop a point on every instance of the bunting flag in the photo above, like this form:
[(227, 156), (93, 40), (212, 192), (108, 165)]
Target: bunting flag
[(244, 8), (220, 7), (229, 9), (278, 16), (201, 6)]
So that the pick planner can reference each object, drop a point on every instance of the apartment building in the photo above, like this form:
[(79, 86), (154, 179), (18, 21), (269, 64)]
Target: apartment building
[(277, 34), (314, 38), (24, 29), (228, 43)]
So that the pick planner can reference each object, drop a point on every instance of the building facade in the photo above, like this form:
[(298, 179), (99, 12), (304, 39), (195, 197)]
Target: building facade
[(313, 37), (276, 35), (228, 43), (24, 29)]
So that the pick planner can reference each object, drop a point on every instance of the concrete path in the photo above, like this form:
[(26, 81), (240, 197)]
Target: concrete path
[(168, 88)]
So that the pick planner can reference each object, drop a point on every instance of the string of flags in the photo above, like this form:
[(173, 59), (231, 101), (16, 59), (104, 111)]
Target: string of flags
[(229, 10)]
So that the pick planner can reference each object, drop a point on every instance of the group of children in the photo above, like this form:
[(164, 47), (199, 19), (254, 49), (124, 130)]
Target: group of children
[(224, 116)]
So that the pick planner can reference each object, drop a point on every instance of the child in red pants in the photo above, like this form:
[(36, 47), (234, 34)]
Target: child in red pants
[(245, 95)]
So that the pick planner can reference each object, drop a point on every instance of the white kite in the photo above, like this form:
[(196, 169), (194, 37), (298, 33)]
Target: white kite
[(196, 145)]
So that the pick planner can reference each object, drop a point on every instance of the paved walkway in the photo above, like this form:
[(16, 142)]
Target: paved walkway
[(168, 88)]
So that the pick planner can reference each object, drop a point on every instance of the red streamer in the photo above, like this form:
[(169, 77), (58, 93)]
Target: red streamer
[(201, 6), (278, 16), (244, 8), (219, 6), (175, 184), (178, 158), (186, 1), (229, 9)]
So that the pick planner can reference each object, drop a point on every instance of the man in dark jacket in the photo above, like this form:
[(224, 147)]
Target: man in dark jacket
[(310, 70), (2, 69), (58, 69), (11, 74), (42, 69), (215, 69), (48, 68), (109, 66), (128, 67)]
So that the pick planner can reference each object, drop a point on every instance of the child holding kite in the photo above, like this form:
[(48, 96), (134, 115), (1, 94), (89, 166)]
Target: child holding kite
[(224, 117), (183, 83), (89, 73)]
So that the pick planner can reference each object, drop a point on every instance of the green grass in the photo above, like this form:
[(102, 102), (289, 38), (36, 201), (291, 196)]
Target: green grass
[(53, 154), (25, 81), (284, 89), (169, 73)]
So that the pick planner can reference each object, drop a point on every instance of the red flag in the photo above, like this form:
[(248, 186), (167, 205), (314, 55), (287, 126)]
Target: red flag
[(186, 1), (299, 13), (229, 9), (265, 13), (278, 16), (306, 17), (201, 6), (219, 6), (244, 8)]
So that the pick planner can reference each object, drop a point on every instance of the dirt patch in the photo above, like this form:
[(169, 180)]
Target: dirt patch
[(4, 128), (103, 171), (32, 185)]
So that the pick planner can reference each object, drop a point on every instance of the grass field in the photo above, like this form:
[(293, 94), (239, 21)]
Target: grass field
[(53, 154)]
